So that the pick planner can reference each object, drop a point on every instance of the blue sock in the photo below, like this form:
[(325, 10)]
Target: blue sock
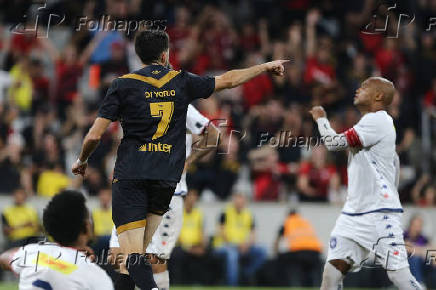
[(124, 282), (140, 271)]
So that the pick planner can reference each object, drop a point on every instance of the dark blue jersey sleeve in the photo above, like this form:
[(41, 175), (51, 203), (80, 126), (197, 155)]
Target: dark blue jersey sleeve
[(110, 107), (199, 87)]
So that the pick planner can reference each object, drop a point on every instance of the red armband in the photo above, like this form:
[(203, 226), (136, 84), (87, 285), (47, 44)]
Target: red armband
[(352, 138)]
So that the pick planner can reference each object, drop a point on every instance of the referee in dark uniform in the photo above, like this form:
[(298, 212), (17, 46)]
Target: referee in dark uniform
[(151, 105)]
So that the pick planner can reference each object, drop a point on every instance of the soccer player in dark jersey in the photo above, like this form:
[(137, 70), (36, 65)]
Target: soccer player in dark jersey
[(151, 105)]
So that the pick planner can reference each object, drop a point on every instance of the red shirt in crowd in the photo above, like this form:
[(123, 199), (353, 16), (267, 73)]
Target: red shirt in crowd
[(218, 46), (178, 36), (319, 178), (317, 71), (267, 183), (430, 98), (256, 90), (24, 43), (67, 79), (388, 61), (371, 42)]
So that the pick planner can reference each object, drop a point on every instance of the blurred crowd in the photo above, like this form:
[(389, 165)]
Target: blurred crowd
[(51, 87)]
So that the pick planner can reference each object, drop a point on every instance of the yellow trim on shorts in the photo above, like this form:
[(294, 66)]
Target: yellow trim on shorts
[(131, 226)]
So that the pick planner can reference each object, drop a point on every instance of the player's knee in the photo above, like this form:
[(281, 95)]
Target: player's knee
[(332, 277), (340, 265)]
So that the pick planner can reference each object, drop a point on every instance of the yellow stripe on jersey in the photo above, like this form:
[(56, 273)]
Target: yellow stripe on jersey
[(158, 83), (54, 264)]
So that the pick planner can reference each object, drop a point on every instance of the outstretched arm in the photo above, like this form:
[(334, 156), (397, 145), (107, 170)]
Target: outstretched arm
[(90, 143), (332, 140), (237, 77)]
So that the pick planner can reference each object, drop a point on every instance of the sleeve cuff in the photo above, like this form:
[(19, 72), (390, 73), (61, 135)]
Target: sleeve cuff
[(322, 120), (323, 125), (106, 117)]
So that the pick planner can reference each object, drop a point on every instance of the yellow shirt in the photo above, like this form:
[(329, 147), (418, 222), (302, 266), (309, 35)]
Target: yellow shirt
[(102, 222), (191, 233), (22, 94), (24, 221), (51, 182), (237, 226)]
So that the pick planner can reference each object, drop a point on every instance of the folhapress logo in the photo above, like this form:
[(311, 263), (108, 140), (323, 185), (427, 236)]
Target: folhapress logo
[(389, 20)]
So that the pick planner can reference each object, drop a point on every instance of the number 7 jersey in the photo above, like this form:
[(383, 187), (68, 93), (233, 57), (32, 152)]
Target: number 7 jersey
[(151, 105)]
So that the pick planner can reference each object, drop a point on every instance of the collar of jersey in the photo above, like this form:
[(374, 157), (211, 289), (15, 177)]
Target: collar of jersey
[(156, 82)]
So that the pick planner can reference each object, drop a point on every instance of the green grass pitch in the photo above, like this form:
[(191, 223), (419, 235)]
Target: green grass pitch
[(14, 286)]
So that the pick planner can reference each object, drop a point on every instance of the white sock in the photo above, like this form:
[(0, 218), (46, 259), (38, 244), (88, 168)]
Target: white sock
[(331, 278), (403, 279), (162, 280)]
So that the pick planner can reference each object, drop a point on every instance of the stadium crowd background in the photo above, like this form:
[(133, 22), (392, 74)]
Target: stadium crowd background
[(50, 89)]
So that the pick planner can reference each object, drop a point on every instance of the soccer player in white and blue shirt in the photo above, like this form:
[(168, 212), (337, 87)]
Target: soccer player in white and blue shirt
[(370, 223), (62, 264), (167, 234)]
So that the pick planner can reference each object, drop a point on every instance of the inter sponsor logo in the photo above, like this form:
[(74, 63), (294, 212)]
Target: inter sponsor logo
[(156, 147)]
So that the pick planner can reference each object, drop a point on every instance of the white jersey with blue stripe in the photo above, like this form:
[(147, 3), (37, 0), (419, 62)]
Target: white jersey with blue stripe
[(373, 168)]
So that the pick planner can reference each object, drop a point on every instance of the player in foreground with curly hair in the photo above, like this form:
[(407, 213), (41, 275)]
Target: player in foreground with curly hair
[(63, 264)]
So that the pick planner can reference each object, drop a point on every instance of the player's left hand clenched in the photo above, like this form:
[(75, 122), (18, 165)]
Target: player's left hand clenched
[(318, 112), (79, 167)]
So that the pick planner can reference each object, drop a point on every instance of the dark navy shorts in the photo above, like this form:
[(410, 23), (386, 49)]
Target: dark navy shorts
[(133, 199)]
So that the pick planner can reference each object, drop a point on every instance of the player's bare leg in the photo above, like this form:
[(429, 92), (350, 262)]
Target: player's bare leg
[(334, 273), (117, 259), (160, 272), (403, 279), (153, 221), (158, 266), (139, 269), (131, 241)]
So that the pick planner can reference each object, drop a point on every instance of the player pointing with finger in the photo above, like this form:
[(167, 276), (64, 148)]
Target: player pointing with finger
[(371, 218), (151, 105)]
